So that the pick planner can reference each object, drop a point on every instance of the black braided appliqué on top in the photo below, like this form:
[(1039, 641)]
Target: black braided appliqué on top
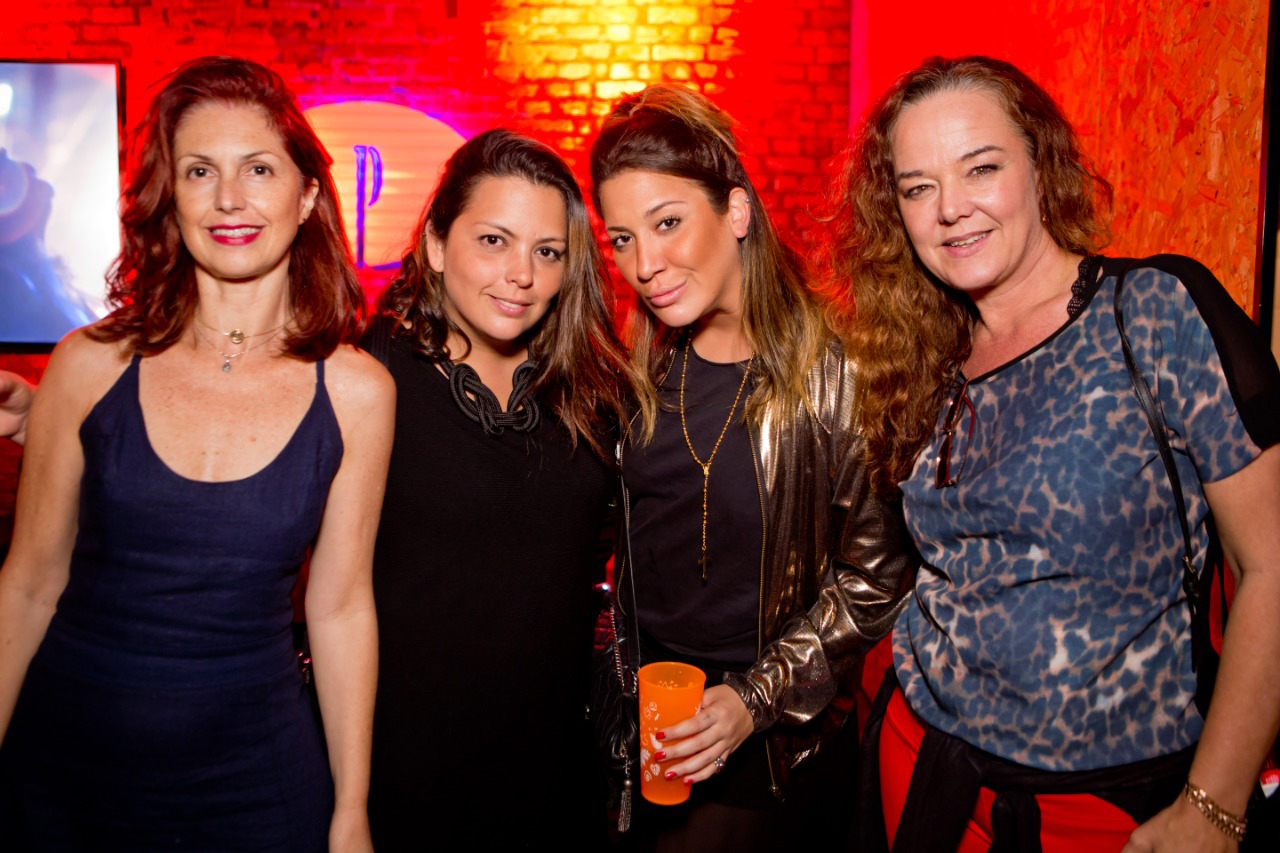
[(479, 404)]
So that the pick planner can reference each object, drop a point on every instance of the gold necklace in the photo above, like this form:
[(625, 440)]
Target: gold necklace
[(705, 562), (237, 336), (228, 356)]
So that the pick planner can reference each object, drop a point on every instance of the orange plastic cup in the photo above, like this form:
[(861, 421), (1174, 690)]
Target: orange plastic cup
[(669, 694)]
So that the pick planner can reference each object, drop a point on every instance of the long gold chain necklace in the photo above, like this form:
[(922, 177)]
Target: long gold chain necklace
[(705, 562)]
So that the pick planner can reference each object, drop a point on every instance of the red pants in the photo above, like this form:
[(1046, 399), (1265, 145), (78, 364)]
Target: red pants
[(1069, 823)]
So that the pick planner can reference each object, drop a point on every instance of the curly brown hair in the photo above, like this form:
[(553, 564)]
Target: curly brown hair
[(152, 283), (676, 131), (583, 370), (909, 333)]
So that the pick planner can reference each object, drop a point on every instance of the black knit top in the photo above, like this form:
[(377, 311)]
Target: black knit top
[(486, 557)]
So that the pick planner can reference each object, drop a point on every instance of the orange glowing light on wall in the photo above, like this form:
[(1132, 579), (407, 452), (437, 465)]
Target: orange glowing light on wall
[(386, 160)]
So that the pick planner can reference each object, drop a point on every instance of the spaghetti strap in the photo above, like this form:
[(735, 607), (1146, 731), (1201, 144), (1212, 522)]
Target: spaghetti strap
[(177, 588)]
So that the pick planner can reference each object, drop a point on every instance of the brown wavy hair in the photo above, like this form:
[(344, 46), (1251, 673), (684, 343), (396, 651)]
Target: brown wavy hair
[(675, 131), (152, 286), (909, 333), (583, 371)]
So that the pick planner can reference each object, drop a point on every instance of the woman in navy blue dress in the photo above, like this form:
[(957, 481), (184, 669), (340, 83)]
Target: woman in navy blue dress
[(182, 457)]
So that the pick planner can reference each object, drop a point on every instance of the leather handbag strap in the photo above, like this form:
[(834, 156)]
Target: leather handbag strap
[(1195, 586), (633, 618), (1155, 420)]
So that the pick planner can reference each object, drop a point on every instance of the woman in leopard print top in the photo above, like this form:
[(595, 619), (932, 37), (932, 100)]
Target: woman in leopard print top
[(1047, 647)]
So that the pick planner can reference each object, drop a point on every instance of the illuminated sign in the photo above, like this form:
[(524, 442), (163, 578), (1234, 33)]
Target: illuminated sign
[(386, 160)]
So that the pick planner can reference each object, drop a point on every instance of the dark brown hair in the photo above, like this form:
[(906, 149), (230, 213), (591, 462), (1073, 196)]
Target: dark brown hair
[(582, 366), (675, 131), (152, 285), (909, 333)]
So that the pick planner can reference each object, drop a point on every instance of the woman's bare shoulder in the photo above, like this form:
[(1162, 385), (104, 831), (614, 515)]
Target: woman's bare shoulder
[(82, 369), (356, 381)]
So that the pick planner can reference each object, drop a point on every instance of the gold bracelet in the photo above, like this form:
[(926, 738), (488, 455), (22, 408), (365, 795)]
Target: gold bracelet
[(1230, 825)]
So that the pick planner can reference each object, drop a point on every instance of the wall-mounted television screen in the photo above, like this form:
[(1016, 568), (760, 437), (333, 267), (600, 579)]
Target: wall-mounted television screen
[(59, 195)]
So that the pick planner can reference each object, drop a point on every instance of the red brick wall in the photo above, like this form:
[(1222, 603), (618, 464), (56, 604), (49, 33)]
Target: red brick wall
[(548, 67), (782, 69)]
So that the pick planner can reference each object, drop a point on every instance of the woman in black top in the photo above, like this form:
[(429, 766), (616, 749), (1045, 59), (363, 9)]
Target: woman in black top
[(748, 510), (498, 336)]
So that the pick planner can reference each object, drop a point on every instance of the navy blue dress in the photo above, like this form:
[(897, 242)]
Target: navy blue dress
[(164, 708)]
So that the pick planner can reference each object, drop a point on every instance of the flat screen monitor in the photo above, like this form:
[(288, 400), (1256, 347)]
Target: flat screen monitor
[(59, 195)]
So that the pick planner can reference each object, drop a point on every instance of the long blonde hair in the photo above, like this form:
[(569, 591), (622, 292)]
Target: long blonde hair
[(675, 131)]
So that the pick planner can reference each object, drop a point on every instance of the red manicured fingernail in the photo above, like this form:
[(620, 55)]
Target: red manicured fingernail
[(659, 756), (661, 735), (671, 774), (688, 781)]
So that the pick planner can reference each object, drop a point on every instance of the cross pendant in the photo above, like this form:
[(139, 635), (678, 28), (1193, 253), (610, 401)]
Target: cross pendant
[(704, 563)]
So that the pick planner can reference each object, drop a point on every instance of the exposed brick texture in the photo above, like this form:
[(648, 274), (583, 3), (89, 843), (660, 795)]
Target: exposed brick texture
[(565, 63), (551, 68), (1168, 102)]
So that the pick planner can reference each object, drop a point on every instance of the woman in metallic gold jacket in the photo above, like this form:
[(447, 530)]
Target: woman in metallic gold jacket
[(760, 550)]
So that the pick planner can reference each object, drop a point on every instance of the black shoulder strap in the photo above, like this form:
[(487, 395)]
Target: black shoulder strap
[(377, 337), (1156, 422), (633, 622), (1195, 586)]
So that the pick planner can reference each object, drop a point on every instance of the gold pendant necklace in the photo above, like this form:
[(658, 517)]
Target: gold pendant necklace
[(705, 562), (238, 336), (228, 356)]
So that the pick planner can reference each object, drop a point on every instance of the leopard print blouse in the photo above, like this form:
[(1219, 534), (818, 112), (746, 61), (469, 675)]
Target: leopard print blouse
[(1048, 625)]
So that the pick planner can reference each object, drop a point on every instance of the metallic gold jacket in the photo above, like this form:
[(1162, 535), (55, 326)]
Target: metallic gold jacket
[(835, 571)]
